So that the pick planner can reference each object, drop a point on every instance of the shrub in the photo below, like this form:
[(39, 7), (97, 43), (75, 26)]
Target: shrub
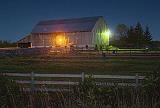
[(9, 93)]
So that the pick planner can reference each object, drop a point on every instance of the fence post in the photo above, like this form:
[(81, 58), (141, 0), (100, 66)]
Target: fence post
[(137, 80), (83, 76), (32, 81), (130, 52)]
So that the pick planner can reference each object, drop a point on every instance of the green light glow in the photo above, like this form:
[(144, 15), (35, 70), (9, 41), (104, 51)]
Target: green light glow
[(107, 33), (105, 37), (102, 38)]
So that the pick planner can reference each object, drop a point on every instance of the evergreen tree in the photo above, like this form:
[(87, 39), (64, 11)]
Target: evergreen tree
[(133, 37), (131, 41), (139, 35), (148, 37)]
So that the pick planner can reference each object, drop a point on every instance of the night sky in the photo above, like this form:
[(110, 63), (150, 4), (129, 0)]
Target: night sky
[(18, 17)]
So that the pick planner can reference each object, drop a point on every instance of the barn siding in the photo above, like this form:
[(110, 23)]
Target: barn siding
[(97, 31), (81, 39)]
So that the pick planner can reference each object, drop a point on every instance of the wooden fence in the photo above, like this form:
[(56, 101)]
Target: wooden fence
[(129, 80)]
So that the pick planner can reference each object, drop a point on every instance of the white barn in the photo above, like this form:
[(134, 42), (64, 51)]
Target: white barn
[(78, 32)]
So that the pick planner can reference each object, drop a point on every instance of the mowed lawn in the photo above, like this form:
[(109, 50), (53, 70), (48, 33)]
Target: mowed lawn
[(49, 64)]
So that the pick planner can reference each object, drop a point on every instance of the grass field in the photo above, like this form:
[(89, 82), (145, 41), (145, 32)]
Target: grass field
[(50, 64), (85, 94)]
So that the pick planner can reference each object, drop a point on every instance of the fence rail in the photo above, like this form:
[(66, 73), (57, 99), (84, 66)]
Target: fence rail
[(135, 79), (74, 76)]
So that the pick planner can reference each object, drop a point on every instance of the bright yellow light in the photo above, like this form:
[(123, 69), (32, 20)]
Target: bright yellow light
[(61, 41)]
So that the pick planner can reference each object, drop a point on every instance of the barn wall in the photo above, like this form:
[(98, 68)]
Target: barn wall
[(42, 40), (98, 33), (80, 39)]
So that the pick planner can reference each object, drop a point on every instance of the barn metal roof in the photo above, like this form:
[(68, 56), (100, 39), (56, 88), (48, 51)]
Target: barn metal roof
[(66, 25)]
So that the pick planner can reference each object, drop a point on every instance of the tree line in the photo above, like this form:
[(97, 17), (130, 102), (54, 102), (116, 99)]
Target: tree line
[(6, 43), (132, 37)]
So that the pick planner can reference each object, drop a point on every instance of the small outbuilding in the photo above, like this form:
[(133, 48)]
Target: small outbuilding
[(77, 32)]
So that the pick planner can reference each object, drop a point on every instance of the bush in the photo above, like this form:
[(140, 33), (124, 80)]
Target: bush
[(9, 93), (85, 95), (152, 85), (112, 48)]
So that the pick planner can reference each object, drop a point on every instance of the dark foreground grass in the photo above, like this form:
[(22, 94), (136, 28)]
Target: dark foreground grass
[(50, 64), (85, 95)]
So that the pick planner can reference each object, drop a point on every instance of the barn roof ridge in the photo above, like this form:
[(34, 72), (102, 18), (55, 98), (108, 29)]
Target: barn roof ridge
[(66, 25), (68, 20)]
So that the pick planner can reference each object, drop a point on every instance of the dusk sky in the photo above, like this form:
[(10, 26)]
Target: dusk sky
[(18, 17)]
